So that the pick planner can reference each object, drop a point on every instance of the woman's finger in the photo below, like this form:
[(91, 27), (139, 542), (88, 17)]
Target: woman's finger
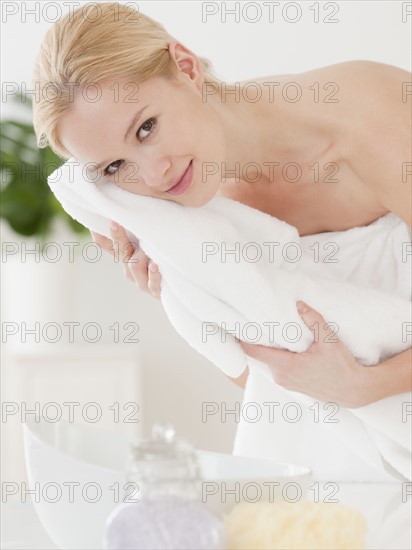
[(135, 262), (137, 269), (122, 245), (154, 279), (102, 241)]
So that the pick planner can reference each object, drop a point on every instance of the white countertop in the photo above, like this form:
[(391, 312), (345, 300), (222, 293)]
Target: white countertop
[(387, 515)]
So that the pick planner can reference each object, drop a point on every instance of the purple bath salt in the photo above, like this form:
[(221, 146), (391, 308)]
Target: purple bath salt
[(169, 514), (164, 522)]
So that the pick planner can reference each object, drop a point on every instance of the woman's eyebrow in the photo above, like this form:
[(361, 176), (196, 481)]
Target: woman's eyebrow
[(136, 117), (134, 120)]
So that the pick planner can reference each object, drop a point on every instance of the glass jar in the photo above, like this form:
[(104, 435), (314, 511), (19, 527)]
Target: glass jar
[(168, 513)]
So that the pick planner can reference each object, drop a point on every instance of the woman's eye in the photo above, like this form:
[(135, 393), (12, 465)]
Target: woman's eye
[(108, 172), (145, 127)]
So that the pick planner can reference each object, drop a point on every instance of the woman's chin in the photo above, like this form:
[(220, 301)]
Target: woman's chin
[(195, 200)]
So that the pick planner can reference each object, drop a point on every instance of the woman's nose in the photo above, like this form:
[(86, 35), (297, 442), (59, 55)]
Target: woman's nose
[(155, 175)]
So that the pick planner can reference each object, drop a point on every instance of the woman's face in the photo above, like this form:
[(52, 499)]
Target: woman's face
[(176, 128)]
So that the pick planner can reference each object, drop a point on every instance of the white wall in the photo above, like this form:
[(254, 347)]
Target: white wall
[(176, 379), (369, 29)]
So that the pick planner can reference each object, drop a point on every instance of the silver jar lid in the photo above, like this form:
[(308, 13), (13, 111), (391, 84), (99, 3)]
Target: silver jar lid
[(163, 457)]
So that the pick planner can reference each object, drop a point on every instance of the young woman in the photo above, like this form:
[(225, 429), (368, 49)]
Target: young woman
[(148, 111)]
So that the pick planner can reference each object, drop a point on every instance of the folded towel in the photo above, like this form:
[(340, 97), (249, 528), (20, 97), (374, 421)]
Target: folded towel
[(230, 270)]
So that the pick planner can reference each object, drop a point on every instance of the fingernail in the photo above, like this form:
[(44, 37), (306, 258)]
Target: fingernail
[(153, 267), (302, 307), (114, 226)]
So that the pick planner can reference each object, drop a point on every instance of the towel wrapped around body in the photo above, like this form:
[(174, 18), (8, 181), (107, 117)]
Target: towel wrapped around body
[(230, 271)]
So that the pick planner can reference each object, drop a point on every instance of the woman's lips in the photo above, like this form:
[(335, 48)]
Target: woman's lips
[(184, 183)]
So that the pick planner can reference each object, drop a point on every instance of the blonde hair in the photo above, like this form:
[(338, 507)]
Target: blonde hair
[(116, 42)]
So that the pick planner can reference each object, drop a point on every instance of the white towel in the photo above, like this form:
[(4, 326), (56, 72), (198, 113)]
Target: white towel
[(211, 295)]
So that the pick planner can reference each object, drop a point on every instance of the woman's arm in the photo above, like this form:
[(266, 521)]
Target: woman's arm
[(387, 378), (328, 371)]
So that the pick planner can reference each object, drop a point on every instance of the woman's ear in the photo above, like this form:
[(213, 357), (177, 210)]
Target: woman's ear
[(187, 63)]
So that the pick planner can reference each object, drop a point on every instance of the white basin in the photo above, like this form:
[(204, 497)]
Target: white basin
[(80, 474)]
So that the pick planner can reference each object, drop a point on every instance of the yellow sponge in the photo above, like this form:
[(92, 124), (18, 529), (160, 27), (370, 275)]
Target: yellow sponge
[(302, 525)]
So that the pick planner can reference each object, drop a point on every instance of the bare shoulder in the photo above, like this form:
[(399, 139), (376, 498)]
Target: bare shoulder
[(356, 93), (378, 98), (363, 71), (366, 83), (372, 104), (364, 107), (376, 129), (369, 78)]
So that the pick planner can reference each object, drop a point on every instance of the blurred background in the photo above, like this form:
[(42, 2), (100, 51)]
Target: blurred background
[(74, 329)]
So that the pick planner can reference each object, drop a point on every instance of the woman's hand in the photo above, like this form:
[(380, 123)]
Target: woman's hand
[(327, 370), (137, 266)]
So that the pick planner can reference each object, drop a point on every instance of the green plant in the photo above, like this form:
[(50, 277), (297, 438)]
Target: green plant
[(26, 200)]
